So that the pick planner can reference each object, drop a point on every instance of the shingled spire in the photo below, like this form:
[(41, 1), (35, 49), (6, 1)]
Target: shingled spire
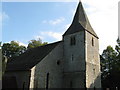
[(80, 22)]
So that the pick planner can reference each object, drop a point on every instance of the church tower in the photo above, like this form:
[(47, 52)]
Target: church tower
[(81, 53)]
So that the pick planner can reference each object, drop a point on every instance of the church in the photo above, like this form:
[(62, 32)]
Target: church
[(73, 62)]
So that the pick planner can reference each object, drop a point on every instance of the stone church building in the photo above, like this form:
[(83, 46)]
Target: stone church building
[(73, 62)]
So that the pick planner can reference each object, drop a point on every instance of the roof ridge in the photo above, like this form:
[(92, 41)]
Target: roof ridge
[(30, 58)]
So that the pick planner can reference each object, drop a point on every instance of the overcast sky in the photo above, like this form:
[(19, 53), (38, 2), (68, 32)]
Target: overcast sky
[(23, 21)]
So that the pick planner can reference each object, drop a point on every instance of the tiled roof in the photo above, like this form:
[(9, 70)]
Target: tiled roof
[(30, 58)]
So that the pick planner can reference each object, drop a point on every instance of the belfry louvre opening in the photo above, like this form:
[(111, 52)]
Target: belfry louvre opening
[(72, 40)]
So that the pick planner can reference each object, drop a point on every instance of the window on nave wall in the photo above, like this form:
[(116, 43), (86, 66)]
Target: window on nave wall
[(71, 84), (47, 81)]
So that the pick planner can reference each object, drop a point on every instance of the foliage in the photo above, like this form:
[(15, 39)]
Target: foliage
[(117, 48), (0, 44), (12, 49), (36, 43), (0, 64), (4, 62), (110, 66)]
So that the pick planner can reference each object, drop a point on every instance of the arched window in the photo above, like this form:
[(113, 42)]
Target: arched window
[(92, 42), (71, 84), (47, 80)]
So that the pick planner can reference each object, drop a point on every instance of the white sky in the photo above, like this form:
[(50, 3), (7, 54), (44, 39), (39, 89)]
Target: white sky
[(103, 16)]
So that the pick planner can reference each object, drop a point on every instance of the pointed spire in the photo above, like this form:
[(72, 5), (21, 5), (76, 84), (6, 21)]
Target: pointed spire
[(80, 22)]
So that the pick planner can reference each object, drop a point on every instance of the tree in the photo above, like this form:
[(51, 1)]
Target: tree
[(12, 49), (117, 48), (0, 63), (36, 43), (108, 58), (0, 44), (110, 66), (4, 62)]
